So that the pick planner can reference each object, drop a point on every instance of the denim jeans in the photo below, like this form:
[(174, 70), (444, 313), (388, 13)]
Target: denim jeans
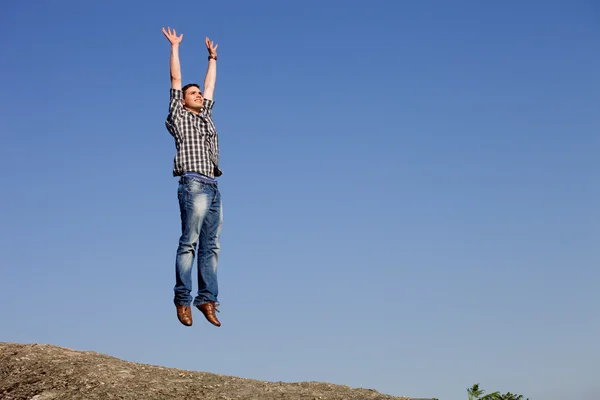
[(201, 221)]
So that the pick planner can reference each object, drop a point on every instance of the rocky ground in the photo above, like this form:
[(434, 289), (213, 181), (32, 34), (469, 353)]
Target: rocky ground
[(45, 372)]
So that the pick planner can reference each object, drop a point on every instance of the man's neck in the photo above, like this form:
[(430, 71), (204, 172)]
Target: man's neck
[(192, 110)]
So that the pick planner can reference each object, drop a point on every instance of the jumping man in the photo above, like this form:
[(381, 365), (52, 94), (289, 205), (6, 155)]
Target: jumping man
[(197, 166)]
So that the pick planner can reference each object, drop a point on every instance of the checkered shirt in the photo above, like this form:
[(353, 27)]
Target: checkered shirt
[(196, 138)]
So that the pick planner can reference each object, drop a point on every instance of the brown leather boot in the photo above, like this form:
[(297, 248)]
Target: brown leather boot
[(184, 314), (208, 309)]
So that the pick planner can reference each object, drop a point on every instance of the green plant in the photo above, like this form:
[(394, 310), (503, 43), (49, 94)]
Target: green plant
[(475, 393)]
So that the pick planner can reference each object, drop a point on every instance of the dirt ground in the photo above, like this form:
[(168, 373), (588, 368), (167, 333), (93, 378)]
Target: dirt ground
[(46, 372)]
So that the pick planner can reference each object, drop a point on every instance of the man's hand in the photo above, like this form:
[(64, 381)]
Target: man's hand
[(212, 49), (172, 36)]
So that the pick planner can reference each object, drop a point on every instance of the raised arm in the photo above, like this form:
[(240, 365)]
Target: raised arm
[(211, 73), (175, 66)]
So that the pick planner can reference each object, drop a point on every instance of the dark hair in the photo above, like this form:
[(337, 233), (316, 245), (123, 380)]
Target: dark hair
[(186, 87)]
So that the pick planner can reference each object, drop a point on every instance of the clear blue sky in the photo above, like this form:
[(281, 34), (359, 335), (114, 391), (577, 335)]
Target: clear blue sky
[(411, 189)]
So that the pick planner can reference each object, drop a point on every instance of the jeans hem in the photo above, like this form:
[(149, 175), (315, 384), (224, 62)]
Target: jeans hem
[(199, 303)]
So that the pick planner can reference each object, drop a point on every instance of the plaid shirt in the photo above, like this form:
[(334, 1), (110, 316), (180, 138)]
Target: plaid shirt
[(195, 137)]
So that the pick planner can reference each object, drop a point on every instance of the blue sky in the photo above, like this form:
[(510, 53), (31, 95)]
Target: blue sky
[(410, 189)]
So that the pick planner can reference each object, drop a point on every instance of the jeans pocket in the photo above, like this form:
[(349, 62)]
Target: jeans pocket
[(194, 186)]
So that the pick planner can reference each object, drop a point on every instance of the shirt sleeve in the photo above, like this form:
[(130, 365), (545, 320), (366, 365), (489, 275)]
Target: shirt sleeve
[(175, 105), (207, 106)]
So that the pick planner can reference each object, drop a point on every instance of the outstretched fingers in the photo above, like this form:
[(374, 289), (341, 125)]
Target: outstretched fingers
[(211, 47), (171, 35)]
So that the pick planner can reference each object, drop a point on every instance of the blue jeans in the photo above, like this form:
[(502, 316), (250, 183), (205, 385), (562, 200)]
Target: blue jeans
[(201, 221)]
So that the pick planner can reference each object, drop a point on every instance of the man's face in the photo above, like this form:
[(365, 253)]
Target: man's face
[(193, 98)]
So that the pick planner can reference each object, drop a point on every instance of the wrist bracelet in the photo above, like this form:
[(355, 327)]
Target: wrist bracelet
[(213, 58)]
